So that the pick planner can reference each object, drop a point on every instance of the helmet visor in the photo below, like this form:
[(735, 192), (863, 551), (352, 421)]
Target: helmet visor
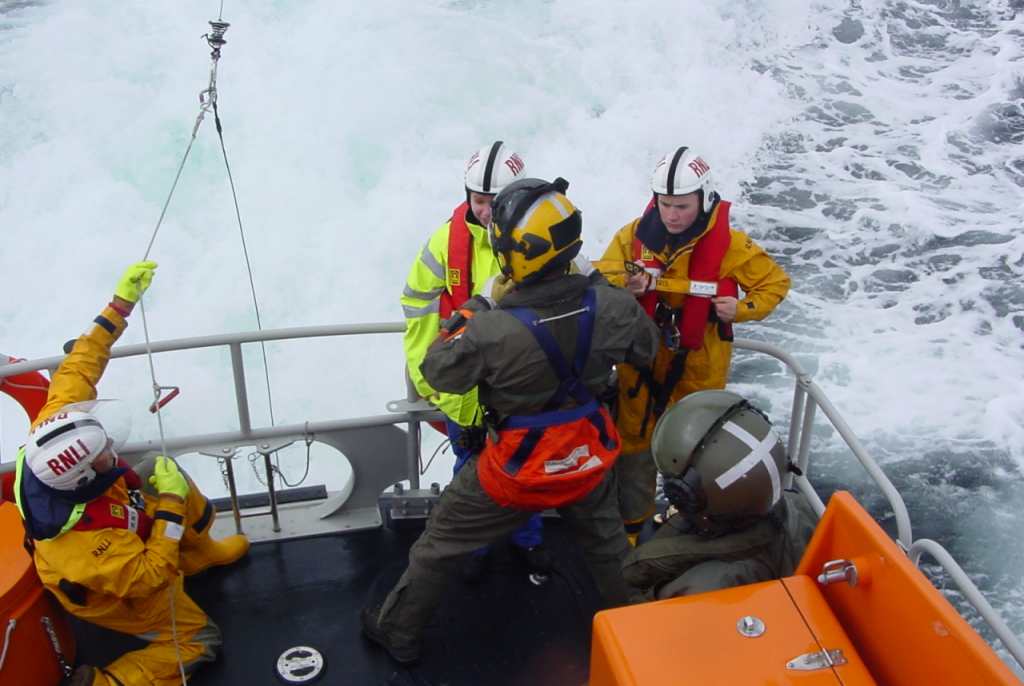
[(112, 414)]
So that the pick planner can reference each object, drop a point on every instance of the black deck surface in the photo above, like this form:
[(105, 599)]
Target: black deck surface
[(503, 630)]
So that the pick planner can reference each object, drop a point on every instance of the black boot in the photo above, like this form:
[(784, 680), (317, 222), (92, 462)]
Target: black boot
[(404, 652)]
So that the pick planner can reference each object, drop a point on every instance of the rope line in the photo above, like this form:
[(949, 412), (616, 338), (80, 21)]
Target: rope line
[(174, 185), (207, 100), (248, 263)]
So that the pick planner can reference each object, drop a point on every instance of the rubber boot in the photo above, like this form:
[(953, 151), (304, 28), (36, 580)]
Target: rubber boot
[(198, 550), (206, 552)]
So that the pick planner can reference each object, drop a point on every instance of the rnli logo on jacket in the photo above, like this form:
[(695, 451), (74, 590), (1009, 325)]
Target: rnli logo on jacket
[(455, 277), (101, 548), (646, 254), (116, 511)]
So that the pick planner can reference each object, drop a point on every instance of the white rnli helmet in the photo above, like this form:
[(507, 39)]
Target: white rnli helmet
[(61, 450), (684, 171), (493, 167)]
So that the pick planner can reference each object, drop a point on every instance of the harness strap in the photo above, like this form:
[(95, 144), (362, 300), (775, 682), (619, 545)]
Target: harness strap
[(570, 384), (659, 393), (530, 421), (524, 450), (570, 378)]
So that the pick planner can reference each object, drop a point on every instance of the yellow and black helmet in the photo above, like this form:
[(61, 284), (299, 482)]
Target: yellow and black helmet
[(535, 229)]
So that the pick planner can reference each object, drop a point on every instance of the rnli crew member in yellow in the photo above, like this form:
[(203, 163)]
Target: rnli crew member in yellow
[(686, 266), (732, 523), (111, 554), (456, 264), (540, 357)]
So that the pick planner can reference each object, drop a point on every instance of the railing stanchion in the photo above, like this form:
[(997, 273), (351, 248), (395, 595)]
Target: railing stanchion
[(270, 487), (799, 396), (413, 436), (233, 490), (804, 453), (241, 396)]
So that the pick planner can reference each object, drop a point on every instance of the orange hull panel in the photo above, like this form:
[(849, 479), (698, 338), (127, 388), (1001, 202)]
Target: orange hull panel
[(30, 657), (906, 631), (695, 640), (893, 627)]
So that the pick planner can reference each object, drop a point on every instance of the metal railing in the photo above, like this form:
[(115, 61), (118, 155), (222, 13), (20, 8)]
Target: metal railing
[(807, 398)]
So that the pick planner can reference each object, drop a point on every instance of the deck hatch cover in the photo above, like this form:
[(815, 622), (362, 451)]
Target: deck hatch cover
[(300, 665)]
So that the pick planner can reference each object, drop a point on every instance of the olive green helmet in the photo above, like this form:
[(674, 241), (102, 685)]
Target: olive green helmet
[(719, 456)]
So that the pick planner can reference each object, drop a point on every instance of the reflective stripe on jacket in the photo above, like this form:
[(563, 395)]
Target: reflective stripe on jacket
[(428, 278)]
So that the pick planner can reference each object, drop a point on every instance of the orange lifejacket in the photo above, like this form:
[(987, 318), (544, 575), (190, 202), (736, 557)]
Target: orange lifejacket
[(459, 266), (705, 282), (557, 456)]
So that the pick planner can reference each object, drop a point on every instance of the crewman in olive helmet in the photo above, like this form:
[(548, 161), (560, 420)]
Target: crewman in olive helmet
[(731, 523)]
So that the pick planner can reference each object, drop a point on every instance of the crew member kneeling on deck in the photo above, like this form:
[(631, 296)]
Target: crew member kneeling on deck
[(724, 469), (111, 554), (540, 357)]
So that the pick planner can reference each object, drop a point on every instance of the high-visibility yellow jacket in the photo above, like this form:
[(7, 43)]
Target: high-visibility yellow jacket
[(764, 285), (421, 301), (111, 576)]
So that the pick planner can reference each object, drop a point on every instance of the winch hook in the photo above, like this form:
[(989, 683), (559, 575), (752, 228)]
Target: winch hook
[(215, 39)]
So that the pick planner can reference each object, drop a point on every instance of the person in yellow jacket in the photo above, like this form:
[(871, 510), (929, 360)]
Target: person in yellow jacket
[(696, 276), (456, 264), (112, 554)]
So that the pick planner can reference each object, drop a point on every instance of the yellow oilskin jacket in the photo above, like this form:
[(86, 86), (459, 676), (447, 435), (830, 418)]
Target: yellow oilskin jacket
[(421, 303), (764, 285), (111, 576)]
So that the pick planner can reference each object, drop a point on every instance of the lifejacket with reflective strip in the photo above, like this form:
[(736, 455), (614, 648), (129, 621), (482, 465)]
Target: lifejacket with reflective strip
[(458, 276), (704, 269), (105, 512), (557, 456), (109, 513)]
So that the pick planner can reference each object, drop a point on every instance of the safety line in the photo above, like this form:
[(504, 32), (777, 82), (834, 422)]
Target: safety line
[(248, 264)]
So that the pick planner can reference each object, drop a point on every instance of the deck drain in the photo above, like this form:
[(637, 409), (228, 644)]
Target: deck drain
[(300, 665)]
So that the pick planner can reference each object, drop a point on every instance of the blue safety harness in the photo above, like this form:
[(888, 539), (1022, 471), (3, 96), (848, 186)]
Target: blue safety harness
[(570, 384)]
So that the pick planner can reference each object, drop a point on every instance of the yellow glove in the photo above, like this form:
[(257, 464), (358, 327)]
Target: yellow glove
[(167, 479), (501, 285), (135, 281)]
